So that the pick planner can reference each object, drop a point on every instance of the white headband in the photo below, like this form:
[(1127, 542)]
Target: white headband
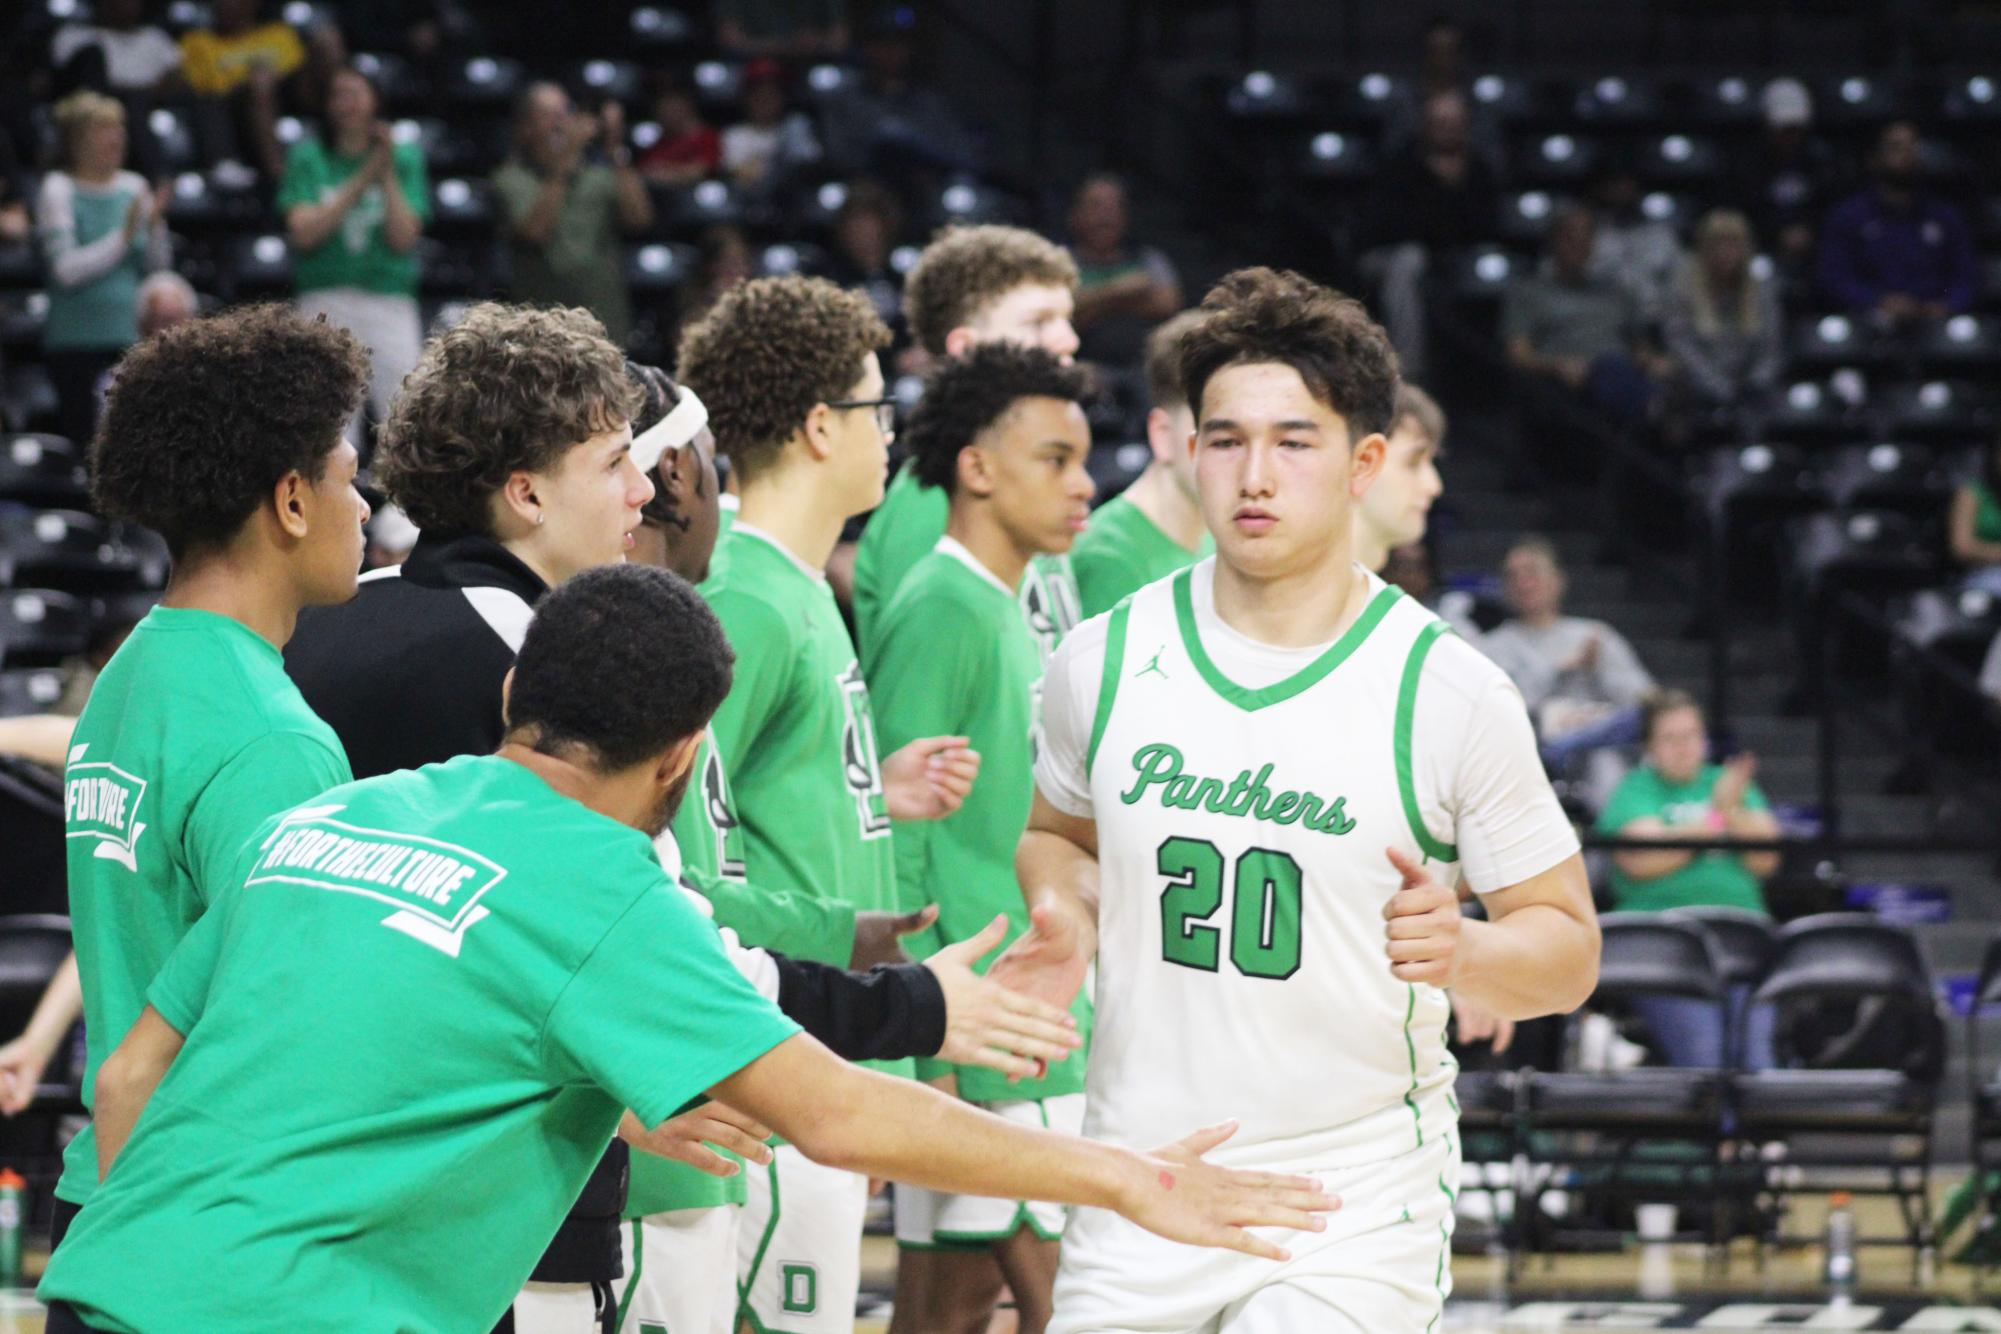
[(673, 431)]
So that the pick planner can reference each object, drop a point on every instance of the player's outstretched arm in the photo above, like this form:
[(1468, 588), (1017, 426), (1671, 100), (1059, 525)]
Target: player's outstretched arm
[(848, 1117), (1057, 864), (1536, 954), (126, 1080)]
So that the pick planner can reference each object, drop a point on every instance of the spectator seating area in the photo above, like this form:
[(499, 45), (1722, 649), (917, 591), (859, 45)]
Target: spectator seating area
[(1828, 495)]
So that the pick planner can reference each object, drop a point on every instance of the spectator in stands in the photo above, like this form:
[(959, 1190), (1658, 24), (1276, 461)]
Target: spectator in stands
[(782, 29), (764, 151), (1580, 678), (102, 231), (1639, 253), (1583, 332), (1434, 199), (1786, 180), (1441, 69), (1973, 527), (1723, 328), (725, 260), (1413, 567), (688, 148), (865, 231), (165, 299), (1895, 251), (889, 121), (236, 67), (563, 214), (121, 55), (355, 204), (1677, 793), (1123, 290)]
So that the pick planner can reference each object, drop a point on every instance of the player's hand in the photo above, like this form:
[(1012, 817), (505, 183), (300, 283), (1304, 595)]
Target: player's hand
[(685, 1138), (1048, 961), (1734, 784), (1179, 1196), (987, 1024), (929, 778), (878, 936), (1424, 922), (1473, 1024), (21, 1064)]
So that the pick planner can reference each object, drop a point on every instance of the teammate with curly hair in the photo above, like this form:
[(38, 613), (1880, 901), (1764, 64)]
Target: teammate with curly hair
[(1001, 432), (1259, 783), (224, 435), (973, 285), (795, 394)]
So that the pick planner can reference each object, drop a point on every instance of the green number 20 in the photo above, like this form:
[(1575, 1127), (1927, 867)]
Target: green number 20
[(1264, 916)]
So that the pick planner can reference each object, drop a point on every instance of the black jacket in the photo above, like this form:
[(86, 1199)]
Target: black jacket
[(408, 673)]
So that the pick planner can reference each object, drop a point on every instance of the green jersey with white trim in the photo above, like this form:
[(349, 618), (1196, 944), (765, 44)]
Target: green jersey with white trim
[(953, 657), (1124, 550), (1244, 796)]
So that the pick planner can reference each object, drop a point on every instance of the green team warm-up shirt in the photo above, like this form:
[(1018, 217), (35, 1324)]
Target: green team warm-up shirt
[(1122, 551), (413, 1021), (192, 738), (902, 531), (953, 656)]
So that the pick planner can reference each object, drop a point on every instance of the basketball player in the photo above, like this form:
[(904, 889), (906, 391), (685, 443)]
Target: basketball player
[(224, 436), (1259, 782), (972, 285), (1002, 433), (795, 394), (1396, 508), (1153, 527), (421, 1003)]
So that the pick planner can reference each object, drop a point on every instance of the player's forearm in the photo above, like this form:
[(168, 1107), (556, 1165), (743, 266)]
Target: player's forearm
[(126, 1081), (59, 1008), (905, 1131), (1054, 870), (1537, 960)]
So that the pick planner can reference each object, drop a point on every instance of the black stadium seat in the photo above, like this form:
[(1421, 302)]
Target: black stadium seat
[(41, 626), (68, 550), (1910, 479), (43, 470), (26, 690)]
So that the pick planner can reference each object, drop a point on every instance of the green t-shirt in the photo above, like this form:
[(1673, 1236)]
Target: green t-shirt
[(902, 531), (1123, 551), (192, 738), (1713, 879), (357, 254), (413, 1023), (583, 263), (953, 657)]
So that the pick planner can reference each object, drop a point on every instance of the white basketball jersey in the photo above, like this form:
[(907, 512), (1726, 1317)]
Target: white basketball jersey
[(1241, 833)]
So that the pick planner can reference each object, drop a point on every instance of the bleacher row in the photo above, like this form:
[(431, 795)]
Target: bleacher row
[(1839, 483)]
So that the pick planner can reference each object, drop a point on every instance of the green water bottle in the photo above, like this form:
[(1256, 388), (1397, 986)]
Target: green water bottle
[(13, 1217)]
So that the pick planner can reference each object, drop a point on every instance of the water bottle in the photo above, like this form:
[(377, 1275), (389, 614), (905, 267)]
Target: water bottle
[(13, 1216), (1840, 1242)]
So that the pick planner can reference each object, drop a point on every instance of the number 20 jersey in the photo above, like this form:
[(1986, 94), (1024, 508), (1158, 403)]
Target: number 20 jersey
[(1244, 797)]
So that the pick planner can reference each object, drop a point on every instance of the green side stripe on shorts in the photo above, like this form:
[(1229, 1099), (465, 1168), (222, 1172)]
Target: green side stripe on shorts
[(1108, 680), (1409, 1098), (632, 1279), (1434, 848), (743, 1307)]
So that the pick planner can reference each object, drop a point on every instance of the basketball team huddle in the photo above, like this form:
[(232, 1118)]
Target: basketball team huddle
[(522, 938)]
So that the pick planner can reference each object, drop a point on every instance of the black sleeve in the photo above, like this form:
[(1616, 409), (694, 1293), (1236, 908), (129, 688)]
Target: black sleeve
[(887, 1013)]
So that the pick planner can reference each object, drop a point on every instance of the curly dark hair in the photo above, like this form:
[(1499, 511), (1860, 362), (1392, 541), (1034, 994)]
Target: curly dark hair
[(508, 388), (621, 661), (965, 268), (770, 350), (963, 397), (205, 418), (1263, 315)]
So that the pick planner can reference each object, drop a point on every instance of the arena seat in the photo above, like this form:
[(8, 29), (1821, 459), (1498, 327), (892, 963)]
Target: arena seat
[(1611, 1125), (261, 266), (398, 85), (1817, 344), (1962, 345), (43, 470), (1622, 101), (1334, 157), (41, 626), (1561, 159), (1861, 1047), (67, 550), (1957, 628), (1681, 161), (1910, 479), (1940, 410), (615, 80), (26, 690), (484, 83), (1750, 494)]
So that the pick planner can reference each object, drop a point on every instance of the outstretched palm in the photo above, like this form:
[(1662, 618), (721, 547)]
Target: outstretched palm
[(1049, 961)]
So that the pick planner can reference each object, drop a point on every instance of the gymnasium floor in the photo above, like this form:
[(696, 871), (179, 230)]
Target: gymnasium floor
[(1645, 1287)]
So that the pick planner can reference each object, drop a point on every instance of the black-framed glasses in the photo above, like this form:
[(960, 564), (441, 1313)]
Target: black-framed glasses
[(885, 410)]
